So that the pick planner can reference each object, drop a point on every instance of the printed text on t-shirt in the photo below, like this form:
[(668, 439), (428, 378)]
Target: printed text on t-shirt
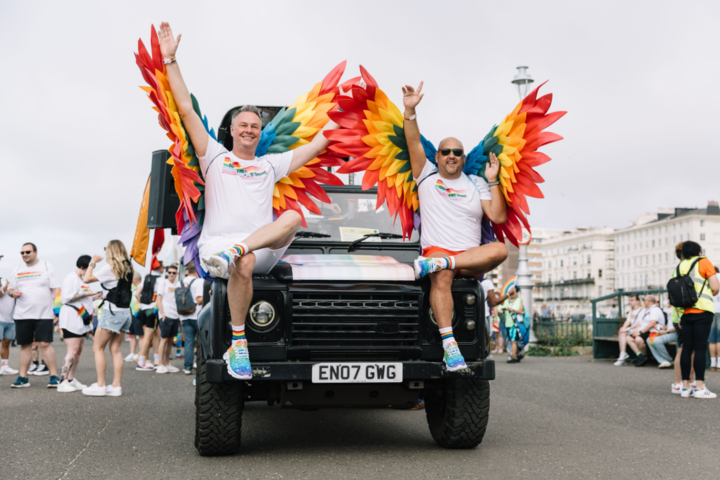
[(250, 173)]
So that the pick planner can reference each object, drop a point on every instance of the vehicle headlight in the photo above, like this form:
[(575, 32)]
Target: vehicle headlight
[(434, 322), (470, 299), (262, 316)]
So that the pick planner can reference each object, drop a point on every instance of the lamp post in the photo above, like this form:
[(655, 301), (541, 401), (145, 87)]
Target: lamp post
[(524, 278)]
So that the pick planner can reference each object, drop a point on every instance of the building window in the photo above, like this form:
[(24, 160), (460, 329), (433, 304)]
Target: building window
[(702, 235), (653, 243), (600, 273), (666, 256), (600, 291), (702, 223), (561, 263), (574, 275), (588, 258)]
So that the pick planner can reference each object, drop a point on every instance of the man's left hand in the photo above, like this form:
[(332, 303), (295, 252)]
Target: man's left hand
[(493, 168)]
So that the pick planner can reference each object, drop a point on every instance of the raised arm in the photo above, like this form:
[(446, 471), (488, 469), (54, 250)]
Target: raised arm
[(411, 99), (191, 120), (304, 154), (495, 209)]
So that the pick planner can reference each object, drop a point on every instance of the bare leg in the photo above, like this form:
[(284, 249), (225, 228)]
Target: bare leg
[(156, 342), (275, 234), (5, 349), (642, 346), (117, 358), (713, 350), (676, 366), (622, 339), (145, 341), (71, 373), (25, 359), (514, 349), (48, 355), (133, 344), (102, 337), (73, 345), (633, 346), (479, 260), (441, 300), (165, 344)]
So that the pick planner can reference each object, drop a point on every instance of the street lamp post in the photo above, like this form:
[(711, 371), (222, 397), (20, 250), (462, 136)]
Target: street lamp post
[(524, 278)]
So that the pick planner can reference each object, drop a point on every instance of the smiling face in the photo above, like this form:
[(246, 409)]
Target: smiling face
[(28, 254), (450, 166), (245, 130)]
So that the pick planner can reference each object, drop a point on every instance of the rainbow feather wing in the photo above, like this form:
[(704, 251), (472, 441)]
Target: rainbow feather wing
[(515, 142), (372, 132)]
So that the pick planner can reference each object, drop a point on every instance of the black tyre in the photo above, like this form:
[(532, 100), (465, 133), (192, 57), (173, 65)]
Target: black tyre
[(218, 414), (457, 412)]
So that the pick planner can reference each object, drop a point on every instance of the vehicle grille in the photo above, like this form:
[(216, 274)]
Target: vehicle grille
[(329, 323)]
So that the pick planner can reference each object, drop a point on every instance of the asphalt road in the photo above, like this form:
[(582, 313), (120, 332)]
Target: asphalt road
[(550, 418)]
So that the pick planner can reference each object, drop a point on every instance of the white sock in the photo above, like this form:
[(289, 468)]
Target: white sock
[(713, 361), (156, 357), (447, 336), (238, 333), (4, 362), (141, 360)]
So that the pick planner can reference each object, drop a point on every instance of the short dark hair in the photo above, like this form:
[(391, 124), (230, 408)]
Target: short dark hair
[(190, 267), (83, 261), (636, 297), (691, 249), (174, 267), (31, 244), (678, 251)]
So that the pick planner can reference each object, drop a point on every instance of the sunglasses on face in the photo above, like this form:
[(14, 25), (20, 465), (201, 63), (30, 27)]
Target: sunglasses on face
[(456, 151), (26, 253), (172, 273)]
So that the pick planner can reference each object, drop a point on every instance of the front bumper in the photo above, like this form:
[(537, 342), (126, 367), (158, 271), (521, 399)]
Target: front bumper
[(216, 371)]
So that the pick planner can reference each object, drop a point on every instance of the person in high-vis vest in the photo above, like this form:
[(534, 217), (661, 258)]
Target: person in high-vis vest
[(697, 320)]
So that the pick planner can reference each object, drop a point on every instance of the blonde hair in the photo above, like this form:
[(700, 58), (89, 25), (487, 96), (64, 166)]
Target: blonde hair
[(118, 259)]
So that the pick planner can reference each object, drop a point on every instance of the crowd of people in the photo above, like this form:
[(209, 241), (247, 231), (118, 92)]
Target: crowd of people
[(152, 312)]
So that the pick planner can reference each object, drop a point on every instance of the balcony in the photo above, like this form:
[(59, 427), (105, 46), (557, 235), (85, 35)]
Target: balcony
[(568, 283)]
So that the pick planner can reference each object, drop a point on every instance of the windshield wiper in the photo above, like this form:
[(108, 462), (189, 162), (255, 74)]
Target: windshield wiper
[(306, 234), (384, 236)]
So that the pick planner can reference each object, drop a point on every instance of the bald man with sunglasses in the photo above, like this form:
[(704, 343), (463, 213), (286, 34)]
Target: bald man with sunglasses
[(452, 205)]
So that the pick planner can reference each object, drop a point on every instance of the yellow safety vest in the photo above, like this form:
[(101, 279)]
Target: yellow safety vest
[(702, 286)]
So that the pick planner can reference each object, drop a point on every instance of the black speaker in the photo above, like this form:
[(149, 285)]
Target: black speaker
[(164, 200)]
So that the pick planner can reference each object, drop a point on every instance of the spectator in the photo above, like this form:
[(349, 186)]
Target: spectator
[(657, 344), (148, 317), (492, 299), (77, 309), (649, 320), (715, 334), (545, 311), (189, 321), (514, 308), (675, 316), (169, 320), (697, 320), (34, 287), (116, 277), (136, 327), (7, 327), (497, 334), (632, 318)]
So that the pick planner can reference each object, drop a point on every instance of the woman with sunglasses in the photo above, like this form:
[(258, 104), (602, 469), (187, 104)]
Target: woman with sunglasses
[(116, 277)]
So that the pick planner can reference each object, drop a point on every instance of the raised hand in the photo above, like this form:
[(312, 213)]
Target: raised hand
[(412, 97), (96, 259), (168, 42), (493, 168)]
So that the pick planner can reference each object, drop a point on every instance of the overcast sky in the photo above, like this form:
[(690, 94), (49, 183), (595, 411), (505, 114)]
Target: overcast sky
[(638, 79)]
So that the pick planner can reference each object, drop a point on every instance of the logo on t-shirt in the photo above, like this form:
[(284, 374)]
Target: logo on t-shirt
[(246, 173), (84, 289), (28, 276), (454, 195)]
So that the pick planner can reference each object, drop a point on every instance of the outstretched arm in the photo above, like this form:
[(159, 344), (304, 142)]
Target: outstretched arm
[(495, 209), (304, 154), (191, 120), (411, 99)]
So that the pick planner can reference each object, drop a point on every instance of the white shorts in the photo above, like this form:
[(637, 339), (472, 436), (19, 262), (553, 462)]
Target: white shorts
[(265, 258)]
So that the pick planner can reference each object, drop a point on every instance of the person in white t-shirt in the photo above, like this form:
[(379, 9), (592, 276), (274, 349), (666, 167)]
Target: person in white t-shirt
[(76, 316), (34, 286), (7, 327), (189, 321), (116, 278), (630, 323), (649, 320), (239, 236), (148, 317), (452, 205), (168, 319)]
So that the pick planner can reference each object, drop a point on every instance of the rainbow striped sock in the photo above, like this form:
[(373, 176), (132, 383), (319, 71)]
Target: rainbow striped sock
[(238, 334), (237, 250), (447, 336)]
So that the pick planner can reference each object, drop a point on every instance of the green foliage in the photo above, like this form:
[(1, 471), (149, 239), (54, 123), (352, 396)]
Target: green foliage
[(541, 351)]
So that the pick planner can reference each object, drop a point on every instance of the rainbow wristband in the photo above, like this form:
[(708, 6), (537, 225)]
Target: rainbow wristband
[(169, 62)]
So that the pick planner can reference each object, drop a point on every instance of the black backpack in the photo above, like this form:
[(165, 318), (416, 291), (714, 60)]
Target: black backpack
[(148, 291), (121, 295), (681, 289), (184, 299)]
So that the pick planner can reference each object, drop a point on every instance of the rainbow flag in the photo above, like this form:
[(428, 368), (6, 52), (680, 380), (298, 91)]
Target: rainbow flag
[(84, 314), (508, 285), (57, 303)]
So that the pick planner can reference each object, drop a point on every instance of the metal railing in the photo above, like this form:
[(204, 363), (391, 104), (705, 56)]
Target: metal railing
[(573, 330)]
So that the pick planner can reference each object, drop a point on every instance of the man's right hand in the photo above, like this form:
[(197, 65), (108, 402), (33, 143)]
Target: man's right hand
[(412, 97), (168, 42), (16, 293)]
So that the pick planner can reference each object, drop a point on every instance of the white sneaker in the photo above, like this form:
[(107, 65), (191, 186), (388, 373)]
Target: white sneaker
[(94, 391), (135, 358), (620, 363), (161, 369), (129, 358), (676, 388), (665, 365), (686, 392), (148, 367), (217, 266), (172, 369), (66, 387), (195, 365), (113, 391), (704, 393), (6, 370), (187, 372), (693, 385), (78, 386), (623, 356)]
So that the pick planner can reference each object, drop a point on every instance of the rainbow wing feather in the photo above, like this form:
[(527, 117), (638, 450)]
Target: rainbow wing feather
[(372, 132), (515, 142), (295, 126)]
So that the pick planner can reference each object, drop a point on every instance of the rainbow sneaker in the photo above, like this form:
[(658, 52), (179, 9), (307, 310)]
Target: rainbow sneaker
[(238, 361), (424, 266), (453, 358), (219, 264)]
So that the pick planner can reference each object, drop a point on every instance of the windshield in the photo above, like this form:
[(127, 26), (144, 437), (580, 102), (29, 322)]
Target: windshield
[(349, 217)]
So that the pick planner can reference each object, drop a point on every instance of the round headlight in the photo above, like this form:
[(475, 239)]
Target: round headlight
[(434, 322), (470, 299), (262, 316)]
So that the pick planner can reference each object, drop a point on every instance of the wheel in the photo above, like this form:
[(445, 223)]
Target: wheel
[(457, 412), (218, 413)]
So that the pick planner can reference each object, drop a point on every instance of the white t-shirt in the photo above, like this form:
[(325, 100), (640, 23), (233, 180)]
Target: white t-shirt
[(108, 280), (451, 211), (650, 314), (197, 291), (238, 193), (36, 284), (167, 290), (156, 290), (487, 286), (7, 302), (69, 318), (633, 316)]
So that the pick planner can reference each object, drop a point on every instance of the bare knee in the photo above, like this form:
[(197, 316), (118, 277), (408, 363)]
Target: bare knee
[(442, 280), (243, 268), (499, 252), (43, 345)]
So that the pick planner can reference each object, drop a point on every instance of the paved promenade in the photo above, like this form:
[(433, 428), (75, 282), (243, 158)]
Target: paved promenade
[(551, 418)]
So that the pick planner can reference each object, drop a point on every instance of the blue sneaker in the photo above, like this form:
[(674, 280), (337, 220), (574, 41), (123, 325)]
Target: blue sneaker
[(238, 361), (21, 382), (453, 358), (54, 382)]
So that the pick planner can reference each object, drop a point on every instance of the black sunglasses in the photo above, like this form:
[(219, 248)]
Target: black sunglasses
[(456, 151), (26, 253)]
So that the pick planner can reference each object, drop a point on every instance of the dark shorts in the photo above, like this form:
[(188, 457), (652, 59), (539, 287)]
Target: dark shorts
[(29, 331), (169, 327), (69, 334), (149, 321), (645, 337), (136, 327)]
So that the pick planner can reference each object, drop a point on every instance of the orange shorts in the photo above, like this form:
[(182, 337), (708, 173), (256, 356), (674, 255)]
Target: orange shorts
[(430, 250)]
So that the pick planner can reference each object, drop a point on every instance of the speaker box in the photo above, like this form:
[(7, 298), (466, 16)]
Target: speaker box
[(164, 200)]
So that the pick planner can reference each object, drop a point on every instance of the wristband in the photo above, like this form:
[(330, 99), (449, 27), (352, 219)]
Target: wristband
[(91, 264), (492, 184), (169, 61), (411, 117)]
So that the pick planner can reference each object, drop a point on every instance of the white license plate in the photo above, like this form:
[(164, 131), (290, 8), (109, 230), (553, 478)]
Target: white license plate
[(357, 373)]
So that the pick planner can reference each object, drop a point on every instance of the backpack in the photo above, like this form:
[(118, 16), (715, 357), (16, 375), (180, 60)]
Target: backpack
[(681, 288), (148, 292), (184, 299), (121, 295)]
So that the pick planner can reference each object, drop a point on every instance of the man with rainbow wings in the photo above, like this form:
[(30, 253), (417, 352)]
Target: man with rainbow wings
[(464, 201), (266, 170)]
